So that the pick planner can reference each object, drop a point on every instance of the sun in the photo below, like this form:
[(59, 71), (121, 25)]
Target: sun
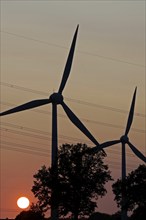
[(23, 202)]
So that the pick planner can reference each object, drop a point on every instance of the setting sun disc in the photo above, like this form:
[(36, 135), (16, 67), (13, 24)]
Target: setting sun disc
[(23, 202)]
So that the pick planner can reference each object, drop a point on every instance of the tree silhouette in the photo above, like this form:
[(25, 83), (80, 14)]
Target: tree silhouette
[(135, 186), (101, 216), (104, 216), (139, 213), (81, 180), (29, 215)]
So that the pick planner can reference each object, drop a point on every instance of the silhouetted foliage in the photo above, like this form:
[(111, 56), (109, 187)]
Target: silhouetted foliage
[(135, 185), (104, 216), (139, 213), (117, 216), (36, 209), (29, 215), (100, 216), (81, 178)]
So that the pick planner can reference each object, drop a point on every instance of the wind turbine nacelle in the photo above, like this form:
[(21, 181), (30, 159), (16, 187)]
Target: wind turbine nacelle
[(56, 98), (124, 139)]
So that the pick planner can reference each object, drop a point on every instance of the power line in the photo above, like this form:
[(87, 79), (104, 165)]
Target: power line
[(70, 99), (43, 137), (45, 112), (23, 88), (84, 119), (70, 139), (41, 149), (7, 147), (38, 132), (26, 140), (104, 107), (116, 152), (34, 130), (24, 133), (25, 128), (11, 148), (35, 149), (48, 134), (79, 51)]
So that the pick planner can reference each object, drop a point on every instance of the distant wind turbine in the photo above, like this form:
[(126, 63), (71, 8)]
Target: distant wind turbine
[(124, 140), (56, 99)]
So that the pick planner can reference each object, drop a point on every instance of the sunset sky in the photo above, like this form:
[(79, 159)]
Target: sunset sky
[(109, 62)]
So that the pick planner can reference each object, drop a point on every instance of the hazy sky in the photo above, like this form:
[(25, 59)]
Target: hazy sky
[(109, 62)]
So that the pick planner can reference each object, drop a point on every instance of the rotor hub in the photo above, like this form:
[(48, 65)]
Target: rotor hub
[(124, 139), (56, 98)]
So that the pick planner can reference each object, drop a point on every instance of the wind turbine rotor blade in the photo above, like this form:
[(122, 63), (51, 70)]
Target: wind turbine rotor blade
[(103, 145), (137, 152), (68, 63), (78, 123), (26, 106), (109, 143), (131, 113)]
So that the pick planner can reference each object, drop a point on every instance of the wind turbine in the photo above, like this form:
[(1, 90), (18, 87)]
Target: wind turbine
[(56, 99), (124, 140)]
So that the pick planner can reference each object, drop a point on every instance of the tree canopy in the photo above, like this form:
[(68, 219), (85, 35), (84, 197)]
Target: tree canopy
[(27, 215), (135, 185), (81, 180)]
